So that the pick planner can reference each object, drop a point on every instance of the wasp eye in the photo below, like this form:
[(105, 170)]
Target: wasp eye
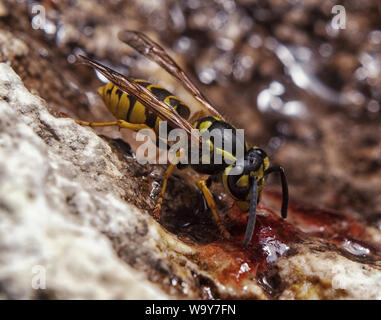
[(260, 152)]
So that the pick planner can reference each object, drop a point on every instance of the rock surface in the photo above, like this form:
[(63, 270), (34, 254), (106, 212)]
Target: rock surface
[(75, 207), (57, 202), (63, 192)]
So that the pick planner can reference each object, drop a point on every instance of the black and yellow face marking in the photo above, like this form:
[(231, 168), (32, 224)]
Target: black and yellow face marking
[(246, 188), (126, 107), (239, 186)]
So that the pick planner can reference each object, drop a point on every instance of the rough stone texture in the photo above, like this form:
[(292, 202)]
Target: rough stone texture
[(62, 191), (78, 204), (51, 212)]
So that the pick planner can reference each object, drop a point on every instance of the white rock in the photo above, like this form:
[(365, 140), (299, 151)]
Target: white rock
[(54, 207)]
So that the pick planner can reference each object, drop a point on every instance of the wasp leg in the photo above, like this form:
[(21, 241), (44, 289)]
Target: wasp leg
[(119, 123), (284, 188), (202, 185), (167, 174)]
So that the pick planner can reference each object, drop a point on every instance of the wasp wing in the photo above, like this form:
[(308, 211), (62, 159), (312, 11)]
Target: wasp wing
[(160, 108), (150, 49)]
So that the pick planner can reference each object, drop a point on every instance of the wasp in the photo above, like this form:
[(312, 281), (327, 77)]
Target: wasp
[(137, 104)]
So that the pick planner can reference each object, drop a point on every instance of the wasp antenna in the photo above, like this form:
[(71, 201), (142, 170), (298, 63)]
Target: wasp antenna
[(252, 214), (284, 188)]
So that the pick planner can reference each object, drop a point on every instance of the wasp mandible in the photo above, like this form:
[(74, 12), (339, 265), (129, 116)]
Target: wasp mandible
[(138, 104)]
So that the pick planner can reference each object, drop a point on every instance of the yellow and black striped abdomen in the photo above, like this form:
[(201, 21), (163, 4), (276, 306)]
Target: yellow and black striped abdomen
[(126, 107)]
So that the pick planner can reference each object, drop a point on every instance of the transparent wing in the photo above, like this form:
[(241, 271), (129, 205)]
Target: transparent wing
[(160, 108), (150, 49)]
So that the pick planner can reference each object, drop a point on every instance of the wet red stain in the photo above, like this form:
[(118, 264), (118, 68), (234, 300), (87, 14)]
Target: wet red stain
[(324, 223), (227, 261), (274, 238)]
